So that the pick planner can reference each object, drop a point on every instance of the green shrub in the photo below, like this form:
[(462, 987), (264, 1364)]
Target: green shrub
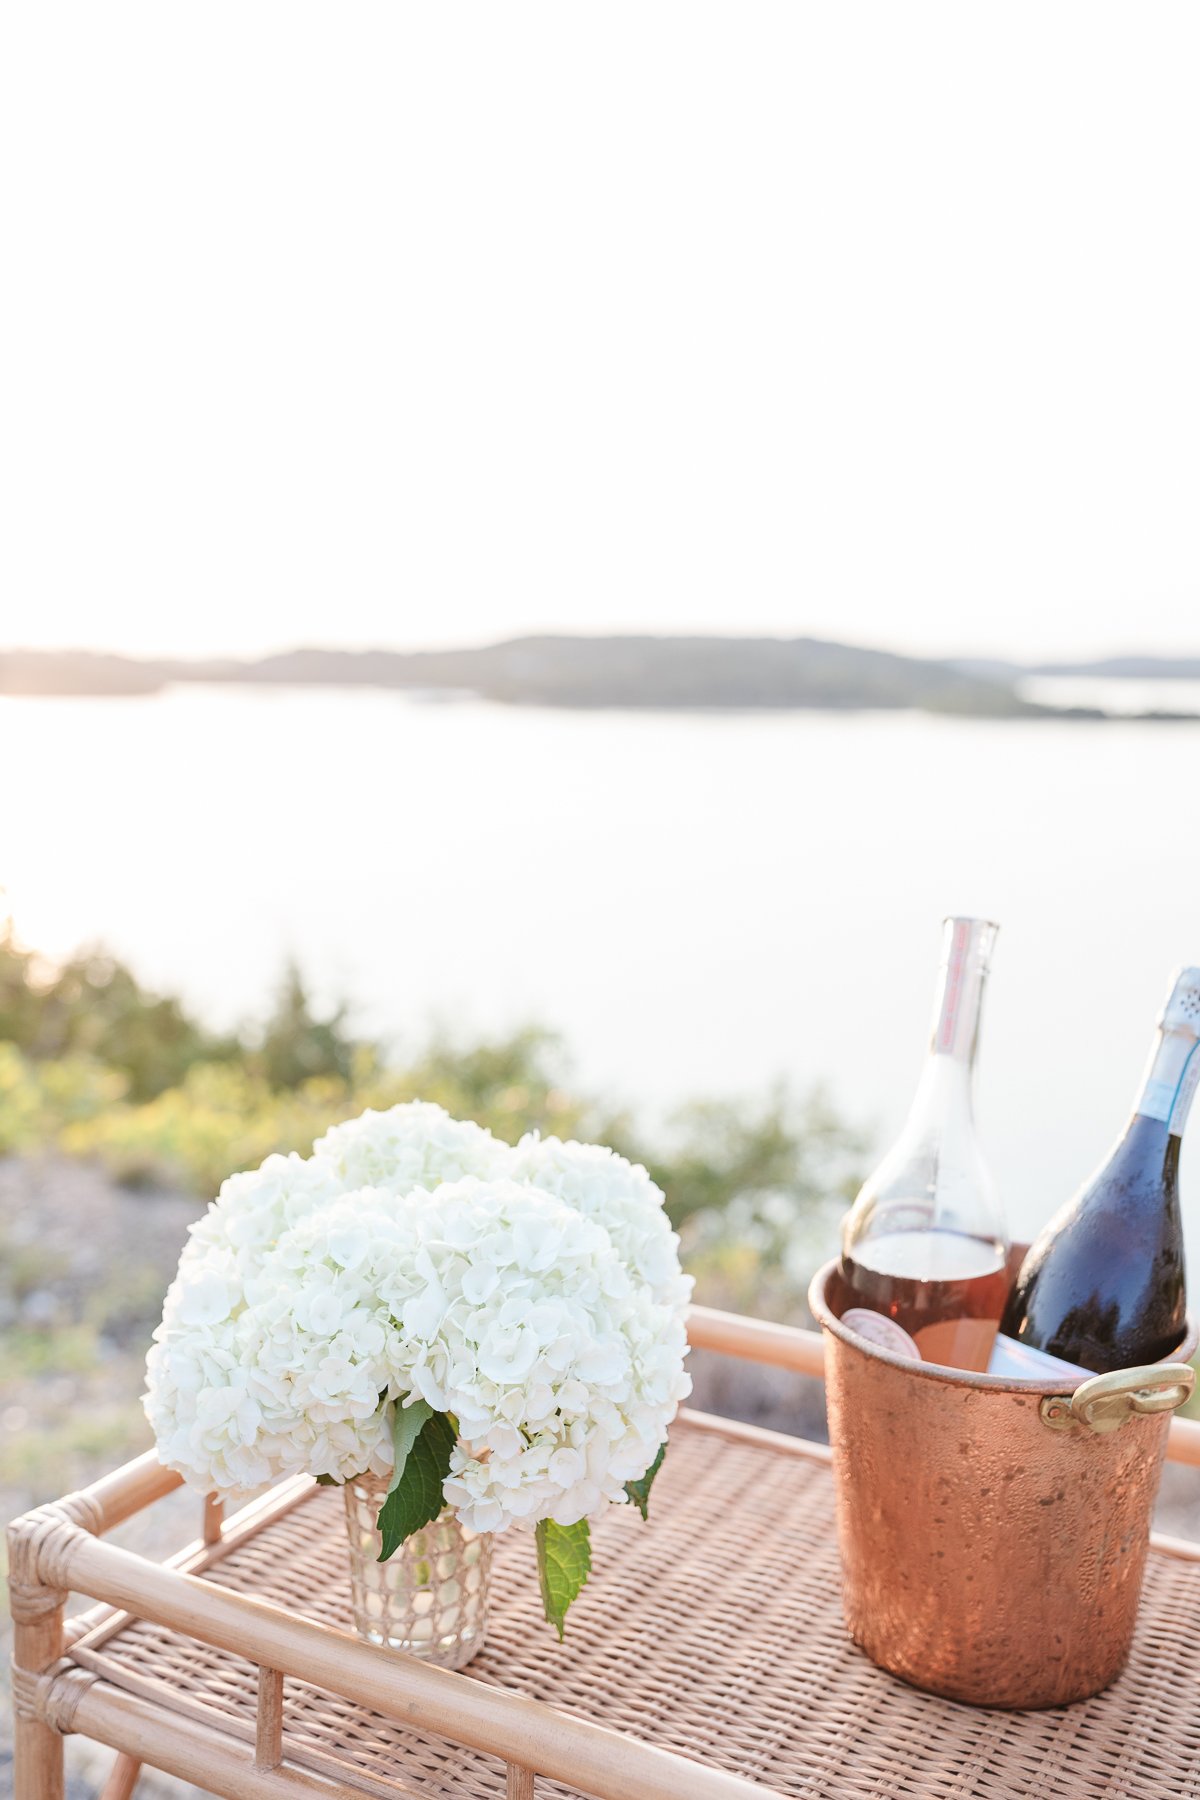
[(100, 1068), (37, 1099), (92, 1007)]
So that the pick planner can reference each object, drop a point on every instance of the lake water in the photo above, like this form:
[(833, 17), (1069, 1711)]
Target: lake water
[(700, 903)]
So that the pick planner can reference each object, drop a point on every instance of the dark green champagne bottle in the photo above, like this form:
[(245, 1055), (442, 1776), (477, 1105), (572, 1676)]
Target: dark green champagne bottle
[(1103, 1286)]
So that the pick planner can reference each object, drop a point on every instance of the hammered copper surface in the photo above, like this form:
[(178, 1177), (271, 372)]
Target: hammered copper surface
[(985, 1557)]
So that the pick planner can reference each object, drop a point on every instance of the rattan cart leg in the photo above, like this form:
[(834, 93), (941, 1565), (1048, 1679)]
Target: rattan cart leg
[(520, 1783), (37, 1613), (268, 1726), (214, 1518), (123, 1779)]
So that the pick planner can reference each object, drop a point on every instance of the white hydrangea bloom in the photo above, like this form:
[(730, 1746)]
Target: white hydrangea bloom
[(416, 1144), (549, 1324), (618, 1194), (209, 1404), (253, 1209)]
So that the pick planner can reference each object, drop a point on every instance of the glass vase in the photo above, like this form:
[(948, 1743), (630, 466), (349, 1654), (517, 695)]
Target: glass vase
[(430, 1597)]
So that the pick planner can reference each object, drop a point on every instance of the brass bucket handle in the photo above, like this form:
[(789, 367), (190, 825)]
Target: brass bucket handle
[(1104, 1402)]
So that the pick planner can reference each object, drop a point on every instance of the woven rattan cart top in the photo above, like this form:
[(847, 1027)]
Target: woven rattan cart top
[(714, 1634)]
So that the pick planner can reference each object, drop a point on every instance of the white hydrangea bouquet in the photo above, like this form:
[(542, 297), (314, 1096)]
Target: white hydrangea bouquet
[(498, 1329)]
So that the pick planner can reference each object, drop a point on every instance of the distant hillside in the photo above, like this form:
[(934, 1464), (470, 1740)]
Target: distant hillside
[(650, 672), (630, 671), (663, 673)]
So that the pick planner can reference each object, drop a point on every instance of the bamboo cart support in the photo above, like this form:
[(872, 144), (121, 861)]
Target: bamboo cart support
[(317, 1712)]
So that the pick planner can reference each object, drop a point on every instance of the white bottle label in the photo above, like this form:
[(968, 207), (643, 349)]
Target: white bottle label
[(1158, 1097), (1185, 1092), (877, 1328), (1171, 1083)]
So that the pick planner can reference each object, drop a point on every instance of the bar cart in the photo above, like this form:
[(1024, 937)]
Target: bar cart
[(710, 1662)]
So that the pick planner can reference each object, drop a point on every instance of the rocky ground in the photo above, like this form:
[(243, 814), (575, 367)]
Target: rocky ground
[(83, 1268)]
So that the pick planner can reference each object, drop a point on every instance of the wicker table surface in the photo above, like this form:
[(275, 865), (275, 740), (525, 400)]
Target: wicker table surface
[(716, 1631)]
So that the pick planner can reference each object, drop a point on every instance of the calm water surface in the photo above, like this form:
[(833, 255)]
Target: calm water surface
[(699, 902)]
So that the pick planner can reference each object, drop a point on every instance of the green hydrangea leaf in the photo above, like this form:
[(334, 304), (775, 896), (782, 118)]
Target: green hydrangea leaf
[(406, 1427), (416, 1499), (564, 1564), (639, 1490)]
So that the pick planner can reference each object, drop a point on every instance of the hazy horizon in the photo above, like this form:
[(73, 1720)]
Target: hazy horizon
[(284, 647)]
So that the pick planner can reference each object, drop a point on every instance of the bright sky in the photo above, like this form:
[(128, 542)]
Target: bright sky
[(426, 324)]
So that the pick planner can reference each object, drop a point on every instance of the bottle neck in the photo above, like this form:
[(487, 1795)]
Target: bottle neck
[(966, 949), (934, 1178), (1170, 1082)]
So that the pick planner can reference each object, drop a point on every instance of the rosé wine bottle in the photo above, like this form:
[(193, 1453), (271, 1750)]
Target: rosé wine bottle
[(925, 1243)]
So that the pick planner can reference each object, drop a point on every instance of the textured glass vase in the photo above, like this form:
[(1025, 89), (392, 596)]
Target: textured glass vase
[(430, 1597)]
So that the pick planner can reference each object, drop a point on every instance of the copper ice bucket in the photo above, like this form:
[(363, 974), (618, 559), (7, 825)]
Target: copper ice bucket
[(993, 1533)]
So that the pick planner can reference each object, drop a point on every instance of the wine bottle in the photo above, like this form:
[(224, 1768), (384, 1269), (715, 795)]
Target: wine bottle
[(1103, 1285), (925, 1242)]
